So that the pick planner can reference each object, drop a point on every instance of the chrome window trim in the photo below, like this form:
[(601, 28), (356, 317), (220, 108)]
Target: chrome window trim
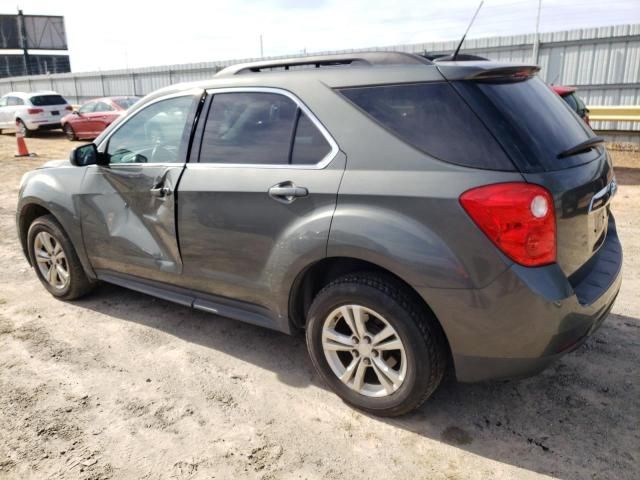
[(326, 160), (105, 141)]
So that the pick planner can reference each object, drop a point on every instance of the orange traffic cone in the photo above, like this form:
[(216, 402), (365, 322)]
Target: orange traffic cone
[(22, 146)]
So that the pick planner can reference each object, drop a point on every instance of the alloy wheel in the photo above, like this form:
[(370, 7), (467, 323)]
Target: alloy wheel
[(68, 131), (364, 351), (22, 128), (51, 260)]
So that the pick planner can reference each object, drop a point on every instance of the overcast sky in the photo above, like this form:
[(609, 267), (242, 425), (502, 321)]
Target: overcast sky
[(127, 33)]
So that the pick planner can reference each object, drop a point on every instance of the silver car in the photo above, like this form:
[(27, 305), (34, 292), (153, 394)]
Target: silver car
[(28, 112)]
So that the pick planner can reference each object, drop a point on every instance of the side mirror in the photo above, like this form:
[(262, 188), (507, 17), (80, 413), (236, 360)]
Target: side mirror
[(76, 112), (87, 155)]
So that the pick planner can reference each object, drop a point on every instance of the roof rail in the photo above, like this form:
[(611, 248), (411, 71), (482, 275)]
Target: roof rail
[(317, 61)]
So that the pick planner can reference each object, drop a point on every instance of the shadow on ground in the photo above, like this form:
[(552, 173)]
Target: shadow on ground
[(529, 423)]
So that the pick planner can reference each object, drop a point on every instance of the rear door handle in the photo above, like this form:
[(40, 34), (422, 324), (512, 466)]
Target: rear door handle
[(287, 192)]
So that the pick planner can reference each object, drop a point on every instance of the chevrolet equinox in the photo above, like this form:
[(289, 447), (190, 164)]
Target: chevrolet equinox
[(410, 216)]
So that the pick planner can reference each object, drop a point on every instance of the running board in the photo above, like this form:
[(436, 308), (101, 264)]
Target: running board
[(234, 309)]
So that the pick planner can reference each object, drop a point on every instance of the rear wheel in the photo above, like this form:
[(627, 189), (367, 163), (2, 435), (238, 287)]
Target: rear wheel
[(375, 344), (69, 132), (22, 128), (55, 260)]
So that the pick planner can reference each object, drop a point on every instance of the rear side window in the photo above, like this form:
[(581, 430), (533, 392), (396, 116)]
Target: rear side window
[(47, 100), (309, 146), (260, 129), (433, 118)]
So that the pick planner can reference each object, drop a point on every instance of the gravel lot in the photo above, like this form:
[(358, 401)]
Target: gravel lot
[(122, 385)]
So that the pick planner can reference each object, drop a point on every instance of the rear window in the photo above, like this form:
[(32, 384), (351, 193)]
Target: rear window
[(532, 123), (47, 100), (570, 100), (433, 118)]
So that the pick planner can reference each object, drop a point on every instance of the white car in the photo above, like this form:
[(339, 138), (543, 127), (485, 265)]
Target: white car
[(32, 111)]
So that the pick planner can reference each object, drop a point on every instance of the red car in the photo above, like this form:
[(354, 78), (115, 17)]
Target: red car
[(94, 116), (568, 94)]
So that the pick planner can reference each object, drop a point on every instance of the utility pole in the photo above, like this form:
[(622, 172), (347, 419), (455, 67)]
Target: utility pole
[(23, 43), (536, 40), (261, 48)]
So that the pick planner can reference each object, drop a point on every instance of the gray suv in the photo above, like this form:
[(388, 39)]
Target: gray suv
[(410, 216)]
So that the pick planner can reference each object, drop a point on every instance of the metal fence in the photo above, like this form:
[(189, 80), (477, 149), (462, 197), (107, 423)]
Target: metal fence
[(604, 63)]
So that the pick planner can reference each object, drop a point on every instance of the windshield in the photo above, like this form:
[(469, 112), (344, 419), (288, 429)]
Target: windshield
[(531, 122), (47, 100)]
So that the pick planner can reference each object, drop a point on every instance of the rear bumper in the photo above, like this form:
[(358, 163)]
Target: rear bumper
[(528, 317), (43, 124)]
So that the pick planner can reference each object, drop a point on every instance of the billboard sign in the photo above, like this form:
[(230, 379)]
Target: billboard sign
[(43, 32)]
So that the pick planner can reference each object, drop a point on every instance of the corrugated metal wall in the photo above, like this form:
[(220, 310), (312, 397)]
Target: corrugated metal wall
[(604, 63)]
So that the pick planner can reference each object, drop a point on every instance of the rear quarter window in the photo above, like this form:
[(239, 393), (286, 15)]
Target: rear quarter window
[(433, 118)]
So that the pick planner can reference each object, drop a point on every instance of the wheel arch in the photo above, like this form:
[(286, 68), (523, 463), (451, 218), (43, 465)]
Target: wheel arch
[(313, 278), (32, 208), (28, 213)]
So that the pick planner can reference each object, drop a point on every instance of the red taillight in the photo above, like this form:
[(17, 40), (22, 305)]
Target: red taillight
[(33, 111), (68, 108), (518, 217)]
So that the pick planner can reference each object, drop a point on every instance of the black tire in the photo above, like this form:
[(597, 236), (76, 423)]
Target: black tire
[(423, 340), (78, 285), (23, 128), (69, 132)]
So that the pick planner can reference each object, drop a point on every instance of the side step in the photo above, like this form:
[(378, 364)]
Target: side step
[(224, 307)]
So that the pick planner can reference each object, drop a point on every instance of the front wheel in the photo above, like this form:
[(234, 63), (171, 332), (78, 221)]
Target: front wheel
[(55, 260), (375, 344)]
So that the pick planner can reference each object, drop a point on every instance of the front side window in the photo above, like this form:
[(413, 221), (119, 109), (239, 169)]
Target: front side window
[(262, 129), (154, 134), (15, 101), (3, 101), (87, 107), (103, 107)]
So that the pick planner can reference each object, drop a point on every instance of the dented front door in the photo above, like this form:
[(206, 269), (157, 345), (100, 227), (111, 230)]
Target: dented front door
[(128, 219), (128, 207)]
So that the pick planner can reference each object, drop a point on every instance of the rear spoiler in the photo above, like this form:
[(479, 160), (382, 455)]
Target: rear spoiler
[(487, 71)]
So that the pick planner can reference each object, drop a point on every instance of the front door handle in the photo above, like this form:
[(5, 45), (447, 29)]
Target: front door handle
[(160, 191), (287, 192)]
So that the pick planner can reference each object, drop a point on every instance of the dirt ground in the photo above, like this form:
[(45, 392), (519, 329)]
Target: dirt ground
[(121, 385)]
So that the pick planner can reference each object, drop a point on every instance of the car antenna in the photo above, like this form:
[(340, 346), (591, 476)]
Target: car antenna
[(455, 54)]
